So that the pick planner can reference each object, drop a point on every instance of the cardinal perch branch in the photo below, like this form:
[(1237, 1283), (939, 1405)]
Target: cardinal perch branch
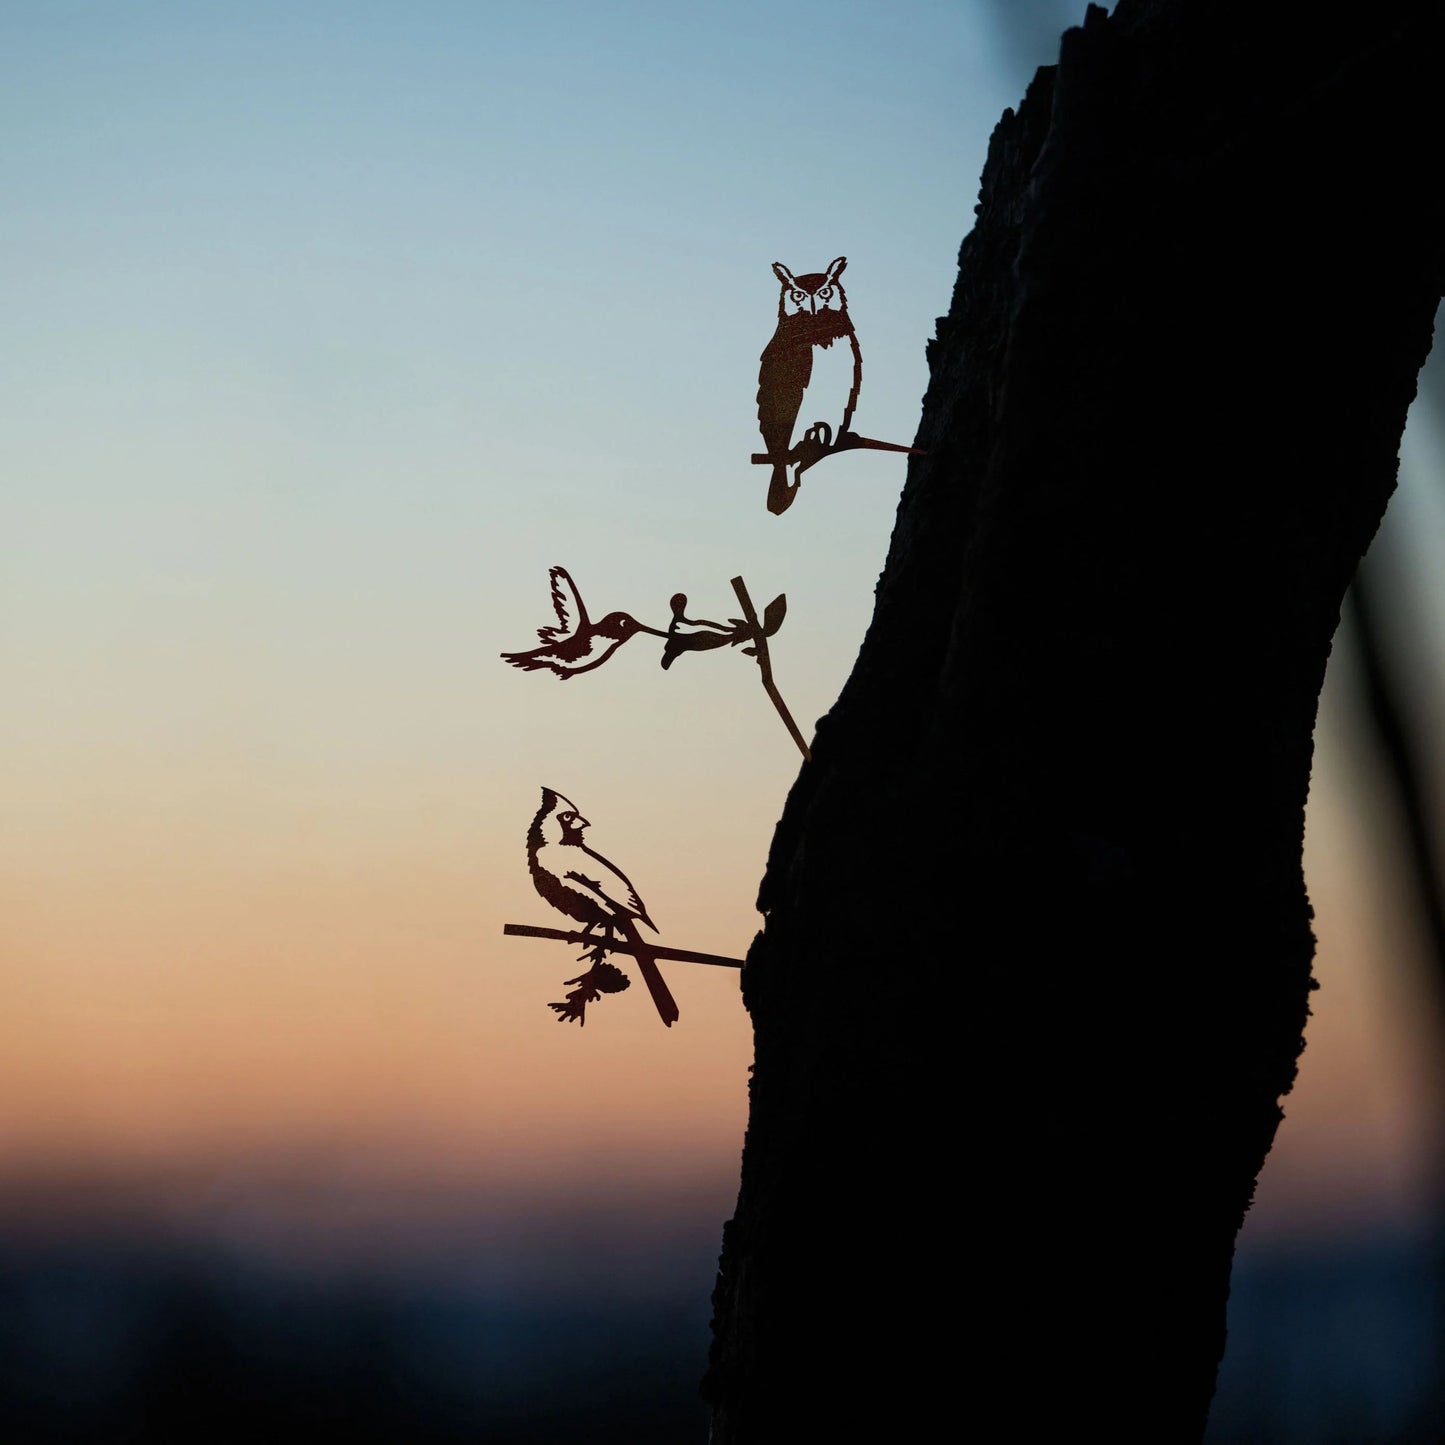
[(591, 940), (759, 649)]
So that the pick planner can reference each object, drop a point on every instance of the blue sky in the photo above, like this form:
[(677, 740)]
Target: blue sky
[(330, 327)]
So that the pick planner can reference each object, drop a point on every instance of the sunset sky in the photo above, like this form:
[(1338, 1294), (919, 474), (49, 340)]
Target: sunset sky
[(330, 327)]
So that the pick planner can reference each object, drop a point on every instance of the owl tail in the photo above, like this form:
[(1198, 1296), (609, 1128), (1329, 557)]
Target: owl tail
[(661, 995), (780, 490)]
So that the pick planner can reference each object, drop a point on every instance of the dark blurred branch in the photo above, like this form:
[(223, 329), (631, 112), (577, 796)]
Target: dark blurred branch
[(1395, 739), (1035, 910)]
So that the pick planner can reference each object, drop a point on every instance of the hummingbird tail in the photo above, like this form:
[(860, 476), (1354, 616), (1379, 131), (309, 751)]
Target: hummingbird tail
[(656, 985), (530, 662), (780, 491)]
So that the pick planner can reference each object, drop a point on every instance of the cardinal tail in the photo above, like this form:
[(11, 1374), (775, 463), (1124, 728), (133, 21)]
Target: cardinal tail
[(661, 995), (780, 492)]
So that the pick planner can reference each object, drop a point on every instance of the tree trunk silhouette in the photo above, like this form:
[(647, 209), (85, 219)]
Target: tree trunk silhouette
[(1036, 962)]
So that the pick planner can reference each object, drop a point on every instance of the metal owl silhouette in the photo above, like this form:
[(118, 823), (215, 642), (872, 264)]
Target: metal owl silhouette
[(810, 375), (812, 316)]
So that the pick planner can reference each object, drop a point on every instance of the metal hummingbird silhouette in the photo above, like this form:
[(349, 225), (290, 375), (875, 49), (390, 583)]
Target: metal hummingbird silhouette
[(576, 644), (795, 381), (582, 884)]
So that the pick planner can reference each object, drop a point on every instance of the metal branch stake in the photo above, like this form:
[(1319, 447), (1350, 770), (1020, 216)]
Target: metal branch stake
[(759, 650), (576, 643)]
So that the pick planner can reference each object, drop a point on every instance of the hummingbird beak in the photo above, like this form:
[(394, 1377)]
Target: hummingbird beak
[(642, 627)]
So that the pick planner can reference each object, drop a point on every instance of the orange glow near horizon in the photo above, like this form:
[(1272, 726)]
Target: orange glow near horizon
[(192, 1010), (184, 1003)]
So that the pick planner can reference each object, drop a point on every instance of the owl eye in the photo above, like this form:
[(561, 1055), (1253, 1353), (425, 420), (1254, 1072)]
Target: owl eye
[(824, 292), (797, 295)]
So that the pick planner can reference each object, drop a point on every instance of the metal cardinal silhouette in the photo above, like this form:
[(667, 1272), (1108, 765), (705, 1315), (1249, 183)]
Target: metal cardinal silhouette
[(581, 883), (576, 644), (795, 381)]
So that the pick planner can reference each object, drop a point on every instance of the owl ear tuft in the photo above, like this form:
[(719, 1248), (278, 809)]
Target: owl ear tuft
[(783, 274), (835, 268)]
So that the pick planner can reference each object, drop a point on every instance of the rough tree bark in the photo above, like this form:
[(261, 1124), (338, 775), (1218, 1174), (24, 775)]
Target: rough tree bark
[(1037, 954)]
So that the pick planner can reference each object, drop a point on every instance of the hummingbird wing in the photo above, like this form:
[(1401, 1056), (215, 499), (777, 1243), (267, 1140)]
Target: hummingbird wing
[(565, 596)]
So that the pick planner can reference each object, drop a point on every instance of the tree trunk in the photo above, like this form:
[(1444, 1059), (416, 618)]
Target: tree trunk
[(1036, 962)]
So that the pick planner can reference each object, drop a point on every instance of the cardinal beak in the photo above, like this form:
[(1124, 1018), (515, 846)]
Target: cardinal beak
[(581, 823)]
